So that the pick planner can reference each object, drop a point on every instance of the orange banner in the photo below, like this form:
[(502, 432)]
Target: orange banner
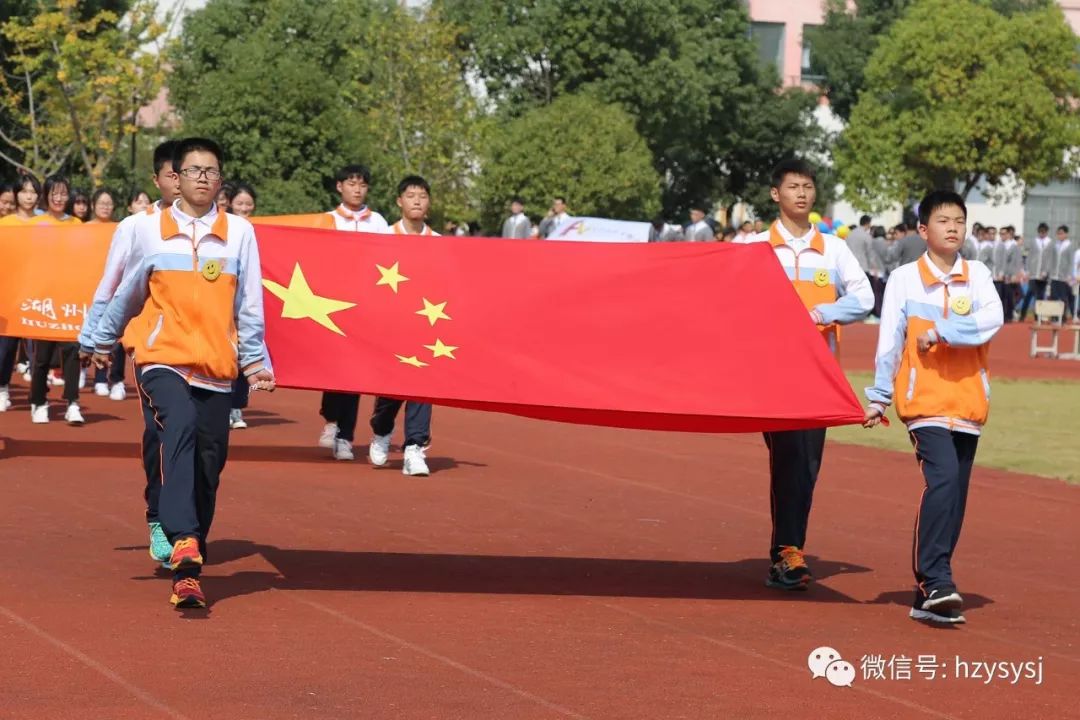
[(50, 273)]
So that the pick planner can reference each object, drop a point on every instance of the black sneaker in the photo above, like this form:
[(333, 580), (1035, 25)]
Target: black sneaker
[(937, 617), (941, 605), (790, 572)]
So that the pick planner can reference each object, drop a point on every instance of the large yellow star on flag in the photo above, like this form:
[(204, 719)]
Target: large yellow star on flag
[(441, 349), (411, 360), (390, 276), (433, 312), (301, 302)]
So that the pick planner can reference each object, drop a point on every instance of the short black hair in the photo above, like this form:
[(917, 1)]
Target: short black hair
[(194, 144), (1064, 229), (901, 227), (1010, 228), (163, 153), (792, 166), (989, 227), (976, 227), (242, 187), (356, 170), (77, 195), (412, 181), (865, 220), (1043, 227), (23, 179), (878, 231), (939, 198), (51, 182), (517, 199)]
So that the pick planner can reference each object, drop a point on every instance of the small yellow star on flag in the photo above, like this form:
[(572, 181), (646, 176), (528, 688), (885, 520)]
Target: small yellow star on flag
[(433, 312), (390, 276), (411, 360), (301, 302), (440, 349)]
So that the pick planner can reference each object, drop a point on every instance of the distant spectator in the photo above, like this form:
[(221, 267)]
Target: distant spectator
[(517, 226), (554, 218), (102, 206)]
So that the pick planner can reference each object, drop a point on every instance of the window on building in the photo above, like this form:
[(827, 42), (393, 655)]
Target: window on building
[(770, 41), (807, 68)]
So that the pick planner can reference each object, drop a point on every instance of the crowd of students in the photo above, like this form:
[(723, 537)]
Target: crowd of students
[(194, 374)]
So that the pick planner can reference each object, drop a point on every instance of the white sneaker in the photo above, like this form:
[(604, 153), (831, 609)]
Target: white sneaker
[(5, 399), (56, 380), (328, 436), (82, 378), (22, 368), (117, 391), (236, 419), (101, 389), (39, 414), (26, 376), (415, 461), (379, 450), (343, 450), (73, 416)]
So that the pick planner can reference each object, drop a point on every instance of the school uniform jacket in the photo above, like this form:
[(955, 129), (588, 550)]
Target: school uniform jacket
[(825, 274), (949, 386), (1040, 258), (115, 263), (198, 285), (363, 220), (1061, 263), (1014, 261)]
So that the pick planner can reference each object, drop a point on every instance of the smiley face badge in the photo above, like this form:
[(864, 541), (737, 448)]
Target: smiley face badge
[(821, 278), (961, 304), (211, 270)]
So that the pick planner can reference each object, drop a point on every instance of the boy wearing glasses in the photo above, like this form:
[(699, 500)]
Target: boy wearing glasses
[(194, 276)]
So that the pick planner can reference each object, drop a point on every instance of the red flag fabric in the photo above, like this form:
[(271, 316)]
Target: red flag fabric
[(703, 337)]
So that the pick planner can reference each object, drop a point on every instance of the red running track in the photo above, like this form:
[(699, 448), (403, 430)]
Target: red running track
[(543, 571)]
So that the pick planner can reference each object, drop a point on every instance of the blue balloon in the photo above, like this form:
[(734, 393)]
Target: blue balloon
[(837, 225), (824, 227)]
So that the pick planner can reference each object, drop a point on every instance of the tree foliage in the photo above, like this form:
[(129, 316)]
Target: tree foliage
[(269, 79), (685, 70), (294, 92), (578, 147), (419, 114), (933, 116), (842, 46), (72, 82)]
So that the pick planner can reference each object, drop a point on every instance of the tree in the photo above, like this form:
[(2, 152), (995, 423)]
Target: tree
[(579, 147), (931, 116), (686, 71), (271, 80), (72, 82), (419, 113), (842, 46)]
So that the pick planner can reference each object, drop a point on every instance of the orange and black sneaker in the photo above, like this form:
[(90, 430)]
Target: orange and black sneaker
[(185, 554), (187, 593), (790, 572)]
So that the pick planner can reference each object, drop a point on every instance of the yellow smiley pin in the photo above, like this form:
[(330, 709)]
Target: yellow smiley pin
[(211, 270), (961, 304), (821, 278)]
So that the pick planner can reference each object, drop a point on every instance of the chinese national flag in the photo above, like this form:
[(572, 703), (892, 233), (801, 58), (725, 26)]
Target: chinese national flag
[(702, 337)]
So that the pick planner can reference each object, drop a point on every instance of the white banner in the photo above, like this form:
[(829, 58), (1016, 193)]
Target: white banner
[(592, 229)]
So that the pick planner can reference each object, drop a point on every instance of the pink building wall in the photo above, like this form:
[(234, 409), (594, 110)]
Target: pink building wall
[(794, 14)]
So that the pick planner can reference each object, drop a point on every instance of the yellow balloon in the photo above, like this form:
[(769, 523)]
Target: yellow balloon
[(815, 218), (843, 231)]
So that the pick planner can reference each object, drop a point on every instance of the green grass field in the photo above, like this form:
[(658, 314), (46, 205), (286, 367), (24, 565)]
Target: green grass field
[(1034, 428)]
